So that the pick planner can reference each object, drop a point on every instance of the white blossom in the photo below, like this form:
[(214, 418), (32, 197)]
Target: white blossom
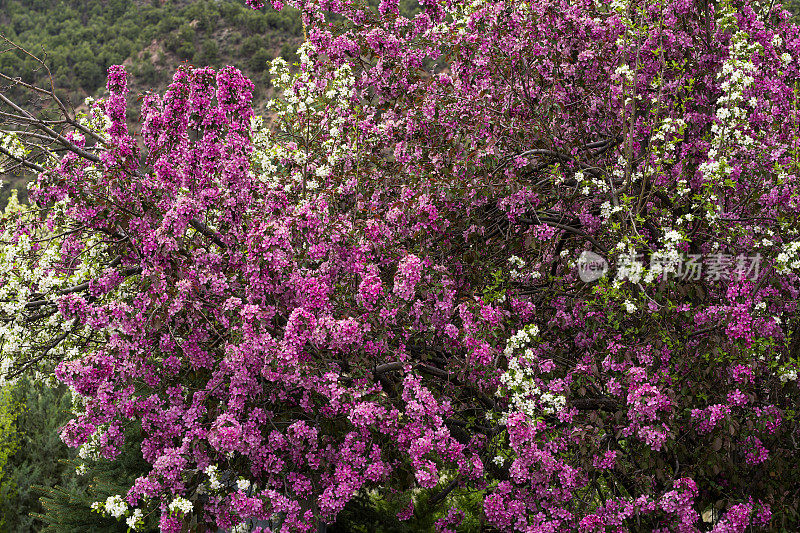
[(116, 506), (134, 520), (180, 505)]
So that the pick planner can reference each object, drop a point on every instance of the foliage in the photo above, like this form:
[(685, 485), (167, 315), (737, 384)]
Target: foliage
[(378, 301), (43, 466), (9, 442), (9, 188), (43, 410)]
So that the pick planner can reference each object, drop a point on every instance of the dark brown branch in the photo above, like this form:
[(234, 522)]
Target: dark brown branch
[(130, 271), (40, 124), (387, 367), (22, 161), (30, 362), (208, 232), (590, 404), (576, 231), (436, 372), (442, 494)]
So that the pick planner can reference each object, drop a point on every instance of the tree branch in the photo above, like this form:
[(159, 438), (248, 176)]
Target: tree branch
[(130, 271)]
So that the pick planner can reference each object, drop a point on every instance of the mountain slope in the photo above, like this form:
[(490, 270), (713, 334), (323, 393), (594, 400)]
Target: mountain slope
[(82, 38)]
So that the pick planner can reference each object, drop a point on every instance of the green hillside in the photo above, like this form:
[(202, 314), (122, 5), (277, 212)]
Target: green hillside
[(82, 38)]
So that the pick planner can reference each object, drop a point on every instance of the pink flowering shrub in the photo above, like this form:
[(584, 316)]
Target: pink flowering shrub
[(380, 292)]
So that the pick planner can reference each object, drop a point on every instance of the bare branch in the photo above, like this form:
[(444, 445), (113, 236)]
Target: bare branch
[(130, 271)]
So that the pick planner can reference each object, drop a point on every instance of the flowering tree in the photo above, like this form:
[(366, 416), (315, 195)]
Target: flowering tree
[(386, 288)]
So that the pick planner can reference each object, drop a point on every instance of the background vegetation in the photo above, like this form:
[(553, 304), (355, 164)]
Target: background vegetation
[(82, 38)]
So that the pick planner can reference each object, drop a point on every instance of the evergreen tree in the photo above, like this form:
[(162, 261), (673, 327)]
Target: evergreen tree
[(31, 414), (42, 411), (9, 441)]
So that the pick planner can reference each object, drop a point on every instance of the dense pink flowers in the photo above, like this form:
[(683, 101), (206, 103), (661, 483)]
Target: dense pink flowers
[(409, 272), (708, 418), (740, 517), (380, 294)]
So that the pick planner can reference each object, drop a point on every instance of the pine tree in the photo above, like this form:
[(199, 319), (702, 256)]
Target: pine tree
[(39, 487), (9, 442), (67, 507), (42, 410)]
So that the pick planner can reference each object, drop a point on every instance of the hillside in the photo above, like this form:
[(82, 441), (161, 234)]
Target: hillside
[(81, 39)]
